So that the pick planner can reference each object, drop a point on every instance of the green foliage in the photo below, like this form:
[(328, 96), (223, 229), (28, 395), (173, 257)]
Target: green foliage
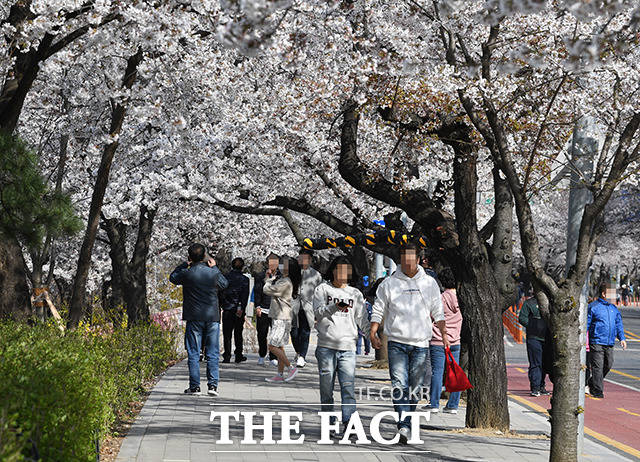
[(62, 391), (29, 209)]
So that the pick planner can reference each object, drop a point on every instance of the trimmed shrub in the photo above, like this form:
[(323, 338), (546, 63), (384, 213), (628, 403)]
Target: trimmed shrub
[(61, 392)]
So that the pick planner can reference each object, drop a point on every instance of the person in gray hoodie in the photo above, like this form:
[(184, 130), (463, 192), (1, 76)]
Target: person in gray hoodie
[(303, 316), (339, 309), (407, 300)]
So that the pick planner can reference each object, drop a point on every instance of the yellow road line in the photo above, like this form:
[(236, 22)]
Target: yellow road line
[(611, 442), (599, 436), (625, 374), (628, 332), (628, 412), (520, 370)]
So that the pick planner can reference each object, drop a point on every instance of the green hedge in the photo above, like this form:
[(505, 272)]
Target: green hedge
[(60, 393)]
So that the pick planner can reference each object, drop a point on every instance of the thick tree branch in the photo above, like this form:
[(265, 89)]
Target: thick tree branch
[(416, 203)]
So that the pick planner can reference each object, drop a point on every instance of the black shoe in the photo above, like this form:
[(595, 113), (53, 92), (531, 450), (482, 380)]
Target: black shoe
[(226, 360), (213, 390), (544, 391), (404, 435), (597, 396), (535, 393), (192, 391), (241, 359)]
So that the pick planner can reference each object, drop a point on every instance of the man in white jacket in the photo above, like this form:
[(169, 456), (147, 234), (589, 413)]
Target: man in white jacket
[(407, 301)]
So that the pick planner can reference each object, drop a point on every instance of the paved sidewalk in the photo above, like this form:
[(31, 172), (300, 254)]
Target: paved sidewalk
[(174, 427)]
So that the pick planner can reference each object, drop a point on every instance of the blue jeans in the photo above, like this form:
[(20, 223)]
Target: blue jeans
[(437, 365), (534, 353), (407, 364), (367, 343), (342, 363), (193, 336)]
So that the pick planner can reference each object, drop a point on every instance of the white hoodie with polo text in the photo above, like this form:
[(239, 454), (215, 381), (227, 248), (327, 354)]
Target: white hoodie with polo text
[(336, 329)]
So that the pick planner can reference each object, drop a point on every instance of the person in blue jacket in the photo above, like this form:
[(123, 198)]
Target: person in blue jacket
[(604, 325)]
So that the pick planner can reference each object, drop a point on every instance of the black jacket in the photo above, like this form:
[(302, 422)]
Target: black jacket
[(200, 285), (236, 294), (259, 298)]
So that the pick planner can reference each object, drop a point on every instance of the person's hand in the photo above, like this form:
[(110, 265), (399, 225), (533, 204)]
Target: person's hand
[(189, 262), (342, 307), (623, 344), (376, 343), (445, 342), (239, 313), (211, 262), (258, 311), (269, 273)]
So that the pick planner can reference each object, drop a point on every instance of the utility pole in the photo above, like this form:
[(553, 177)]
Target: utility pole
[(584, 147)]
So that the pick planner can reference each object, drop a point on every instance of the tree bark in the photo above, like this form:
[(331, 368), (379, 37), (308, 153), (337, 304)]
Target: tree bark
[(84, 261), (15, 301), (565, 325), (487, 405), (129, 276)]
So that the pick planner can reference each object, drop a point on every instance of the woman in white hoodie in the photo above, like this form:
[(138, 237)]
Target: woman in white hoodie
[(339, 310)]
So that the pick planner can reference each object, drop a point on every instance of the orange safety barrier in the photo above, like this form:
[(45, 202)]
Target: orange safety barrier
[(510, 320)]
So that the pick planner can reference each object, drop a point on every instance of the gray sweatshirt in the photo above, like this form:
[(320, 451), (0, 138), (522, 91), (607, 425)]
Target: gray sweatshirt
[(338, 330), (281, 291), (310, 280)]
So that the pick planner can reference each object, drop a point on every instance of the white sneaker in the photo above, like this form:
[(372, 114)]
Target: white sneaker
[(404, 435), (586, 390), (300, 362), (274, 362), (260, 361), (447, 410)]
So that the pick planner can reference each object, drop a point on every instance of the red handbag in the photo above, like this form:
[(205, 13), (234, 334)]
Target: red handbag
[(456, 379)]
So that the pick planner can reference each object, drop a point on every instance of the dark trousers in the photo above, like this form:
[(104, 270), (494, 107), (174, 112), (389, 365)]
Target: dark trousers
[(601, 362), (263, 323), (232, 325), (536, 373), (300, 334)]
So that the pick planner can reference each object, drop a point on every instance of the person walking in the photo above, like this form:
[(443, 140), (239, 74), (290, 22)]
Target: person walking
[(262, 302), (303, 317), (453, 321), (363, 337), (536, 329), (407, 300), (340, 312), (234, 303), (604, 325), (200, 283), (283, 286)]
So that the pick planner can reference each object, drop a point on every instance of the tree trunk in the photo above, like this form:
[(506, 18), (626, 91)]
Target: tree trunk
[(479, 296), (15, 301), (565, 327), (129, 277), (102, 180), (487, 405)]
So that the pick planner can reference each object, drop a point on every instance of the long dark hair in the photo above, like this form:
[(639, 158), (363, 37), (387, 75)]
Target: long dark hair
[(339, 260), (294, 274)]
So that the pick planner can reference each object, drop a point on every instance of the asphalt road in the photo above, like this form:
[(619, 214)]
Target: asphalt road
[(626, 366), (614, 420)]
